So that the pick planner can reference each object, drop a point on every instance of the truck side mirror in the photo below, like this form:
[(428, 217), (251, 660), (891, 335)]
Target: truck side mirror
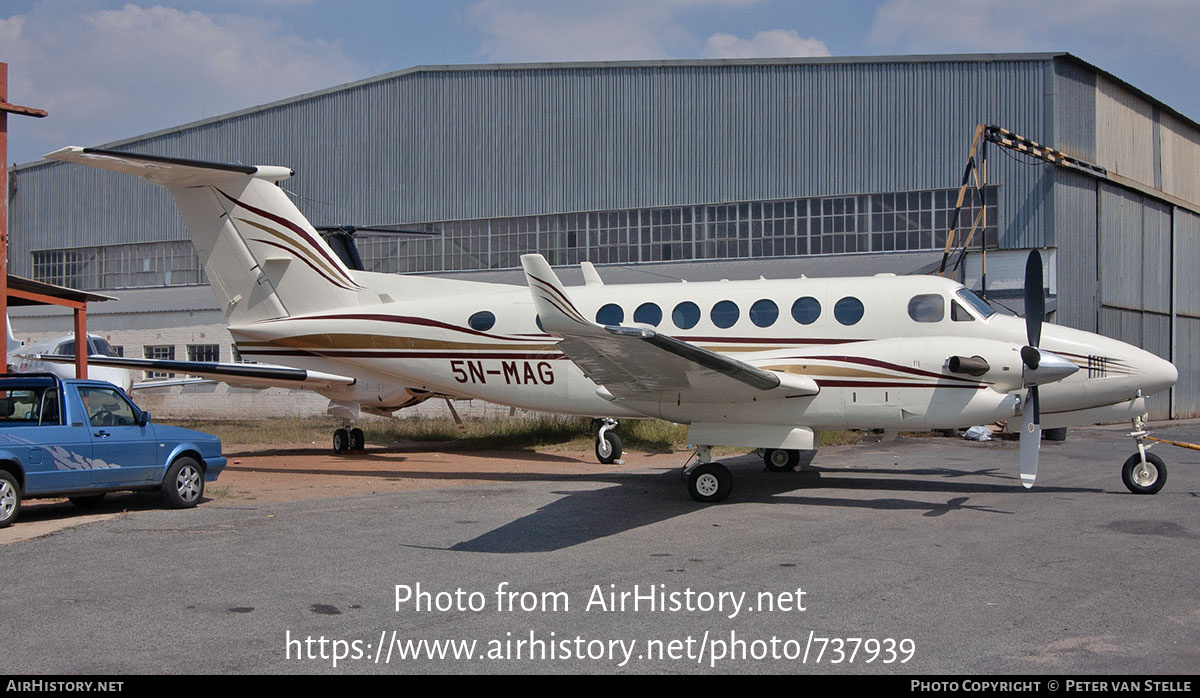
[(143, 418)]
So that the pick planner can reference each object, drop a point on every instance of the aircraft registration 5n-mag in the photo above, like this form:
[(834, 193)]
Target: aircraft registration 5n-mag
[(761, 364)]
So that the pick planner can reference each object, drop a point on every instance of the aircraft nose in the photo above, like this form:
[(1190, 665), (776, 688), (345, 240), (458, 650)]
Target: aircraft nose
[(1160, 374)]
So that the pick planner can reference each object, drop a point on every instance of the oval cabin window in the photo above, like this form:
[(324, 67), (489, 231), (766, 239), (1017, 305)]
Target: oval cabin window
[(610, 314), (686, 315), (848, 310), (648, 314), (482, 321), (806, 310), (764, 313)]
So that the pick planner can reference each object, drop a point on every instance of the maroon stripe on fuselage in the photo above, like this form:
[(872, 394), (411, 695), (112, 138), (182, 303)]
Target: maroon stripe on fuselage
[(294, 228), (862, 360), (404, 320), (367, 354), (304, 259)]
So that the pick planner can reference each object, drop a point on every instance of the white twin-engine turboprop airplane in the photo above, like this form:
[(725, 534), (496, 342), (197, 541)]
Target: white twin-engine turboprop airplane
[(761, 364)]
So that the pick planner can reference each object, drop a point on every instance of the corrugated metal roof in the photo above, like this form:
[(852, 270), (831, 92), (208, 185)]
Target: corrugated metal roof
[(140, 300)]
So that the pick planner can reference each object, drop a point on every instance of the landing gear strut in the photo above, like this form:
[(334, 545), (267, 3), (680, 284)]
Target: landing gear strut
[(1143, 473), (608, 444)]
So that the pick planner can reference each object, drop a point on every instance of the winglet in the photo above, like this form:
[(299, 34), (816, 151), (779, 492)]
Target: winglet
[(591, 277), (554, 307)]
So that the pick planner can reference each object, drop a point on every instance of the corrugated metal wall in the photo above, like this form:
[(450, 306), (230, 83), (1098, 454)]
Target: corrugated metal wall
[(1135, 275), (449, 144), (1187, 313)]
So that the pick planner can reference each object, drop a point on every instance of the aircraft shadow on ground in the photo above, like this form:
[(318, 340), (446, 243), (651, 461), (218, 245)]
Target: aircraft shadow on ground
[(639, 499), (387, 454)]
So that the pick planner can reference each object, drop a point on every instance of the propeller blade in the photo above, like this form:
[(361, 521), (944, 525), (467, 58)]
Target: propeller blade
[(1035, 299), (1031, 437)]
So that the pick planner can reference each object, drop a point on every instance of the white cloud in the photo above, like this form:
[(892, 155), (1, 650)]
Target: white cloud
[(1113, 27), (111, 74), (579, 30), (765, 44)]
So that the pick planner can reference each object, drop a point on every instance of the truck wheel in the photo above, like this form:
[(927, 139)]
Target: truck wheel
[(183, 485), (10, 498)]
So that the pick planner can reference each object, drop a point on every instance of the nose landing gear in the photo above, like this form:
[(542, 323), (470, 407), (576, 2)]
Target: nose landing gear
[(1143, 473)]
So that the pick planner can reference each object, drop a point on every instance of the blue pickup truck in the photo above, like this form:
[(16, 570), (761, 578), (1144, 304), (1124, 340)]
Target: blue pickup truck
[(83, 438)]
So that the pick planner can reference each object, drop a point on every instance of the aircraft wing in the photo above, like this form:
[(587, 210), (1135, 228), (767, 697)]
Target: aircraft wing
[(247, 375), (638, 363)]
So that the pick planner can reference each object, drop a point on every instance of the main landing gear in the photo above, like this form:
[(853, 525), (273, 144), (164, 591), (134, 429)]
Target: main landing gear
[(608, 444), (1143, 473), (707, 480), (348, 439)]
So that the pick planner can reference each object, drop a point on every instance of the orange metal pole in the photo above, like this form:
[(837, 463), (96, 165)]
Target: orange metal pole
[(5, 108)]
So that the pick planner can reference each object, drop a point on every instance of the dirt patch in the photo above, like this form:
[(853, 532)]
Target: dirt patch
[(283, 474)]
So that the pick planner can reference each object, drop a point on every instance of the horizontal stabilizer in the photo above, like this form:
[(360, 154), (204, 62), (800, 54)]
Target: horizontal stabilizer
[(166, 171)]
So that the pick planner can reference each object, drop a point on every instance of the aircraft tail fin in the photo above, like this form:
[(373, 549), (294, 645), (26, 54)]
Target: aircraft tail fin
[(263, 258), (14, 344)]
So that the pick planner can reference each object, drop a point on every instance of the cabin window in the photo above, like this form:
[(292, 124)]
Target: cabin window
[(764, 313), (725, 314), (806, 310), (848, 310), (648, 314), (686, 315), (927, 307), (482, 321), (959, 313), (537, 320), (610, 314)]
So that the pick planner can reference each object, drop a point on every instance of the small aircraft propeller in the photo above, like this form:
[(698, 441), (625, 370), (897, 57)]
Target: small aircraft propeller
[(1031, 422)]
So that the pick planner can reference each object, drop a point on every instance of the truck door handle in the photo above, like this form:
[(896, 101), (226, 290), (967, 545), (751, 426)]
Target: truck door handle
[(102, 434)]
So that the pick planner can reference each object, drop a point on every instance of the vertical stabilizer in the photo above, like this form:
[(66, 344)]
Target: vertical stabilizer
[(262, 256)]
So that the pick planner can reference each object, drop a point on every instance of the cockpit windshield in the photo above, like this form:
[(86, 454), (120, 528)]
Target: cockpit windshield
[(978, 304), (100, 347)]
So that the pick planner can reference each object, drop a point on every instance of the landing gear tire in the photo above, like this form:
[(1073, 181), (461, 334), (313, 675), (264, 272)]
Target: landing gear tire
[(358, 440), (1146, 478), (608, 448), (781, 460), (183, 485), (710, 482), (341, 441), (1057, 434)]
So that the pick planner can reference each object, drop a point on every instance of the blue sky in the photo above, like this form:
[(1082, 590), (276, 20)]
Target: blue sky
[(110, 70)]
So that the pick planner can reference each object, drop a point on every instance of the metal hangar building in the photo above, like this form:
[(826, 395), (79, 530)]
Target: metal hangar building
[(668, 169)]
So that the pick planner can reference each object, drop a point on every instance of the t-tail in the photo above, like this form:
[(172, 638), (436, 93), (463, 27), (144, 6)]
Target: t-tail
[(263, 258)]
